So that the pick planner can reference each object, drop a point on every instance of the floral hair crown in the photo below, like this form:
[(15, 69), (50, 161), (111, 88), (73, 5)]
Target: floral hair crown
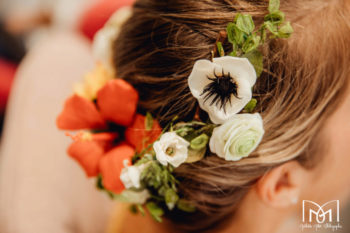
[(132, 157)]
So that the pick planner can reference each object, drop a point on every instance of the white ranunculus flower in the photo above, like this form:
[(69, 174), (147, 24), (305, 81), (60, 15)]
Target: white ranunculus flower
[(130, 175), (222, 87), (237, 137), (172, 149), (102, 46)]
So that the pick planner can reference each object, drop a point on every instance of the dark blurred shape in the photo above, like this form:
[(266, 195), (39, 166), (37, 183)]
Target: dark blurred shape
[(12, 51), (11, 47)]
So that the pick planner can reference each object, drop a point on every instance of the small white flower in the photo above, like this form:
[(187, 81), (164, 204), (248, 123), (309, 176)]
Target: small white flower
[(222, 87), (172, 149), (135, 197), (130, 175), (238, 137), (102, 46)]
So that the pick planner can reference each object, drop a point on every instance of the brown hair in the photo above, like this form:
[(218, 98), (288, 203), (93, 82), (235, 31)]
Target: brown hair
[(302, 83)]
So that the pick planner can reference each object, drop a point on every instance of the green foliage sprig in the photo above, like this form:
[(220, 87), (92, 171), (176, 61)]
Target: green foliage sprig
[(159, 179), (246, 38)]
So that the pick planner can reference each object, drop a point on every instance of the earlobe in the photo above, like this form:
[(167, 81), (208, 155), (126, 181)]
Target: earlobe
[(281, 186)]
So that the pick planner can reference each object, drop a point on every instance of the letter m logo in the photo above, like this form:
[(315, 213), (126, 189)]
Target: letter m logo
[(328, 212)]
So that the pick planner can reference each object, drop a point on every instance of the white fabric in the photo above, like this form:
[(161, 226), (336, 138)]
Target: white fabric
[(41, 189)]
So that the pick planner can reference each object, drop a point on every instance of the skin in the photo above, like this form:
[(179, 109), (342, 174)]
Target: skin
[(274, 204)]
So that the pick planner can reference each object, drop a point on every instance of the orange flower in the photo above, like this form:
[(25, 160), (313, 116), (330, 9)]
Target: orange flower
[(111, 166), (79, 113), (139, 135), (88, 149), (96, 153), (117, 102)]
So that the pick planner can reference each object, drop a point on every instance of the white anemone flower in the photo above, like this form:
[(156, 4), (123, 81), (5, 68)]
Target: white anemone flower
[(102, 46), (222, 87), (172, 149)]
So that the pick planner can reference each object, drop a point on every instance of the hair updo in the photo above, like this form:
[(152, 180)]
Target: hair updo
[(303, 82)]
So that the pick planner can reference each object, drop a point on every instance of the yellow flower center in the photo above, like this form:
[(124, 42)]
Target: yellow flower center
[(170, 151)]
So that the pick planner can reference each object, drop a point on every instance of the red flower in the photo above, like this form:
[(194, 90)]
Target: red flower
[(111, 166), (88, 151), (116, 101), (139, 135), (97, 153), (80, 113)]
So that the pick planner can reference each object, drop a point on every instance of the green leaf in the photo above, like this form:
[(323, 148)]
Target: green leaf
[(245, 23), (275, 17), (199, 142), (171, 198), (148, 122), (233, 54), (263, 34), (274, 5), (162, 190), (184, 131), (251, 44), (230, 29), (251, 105), (185, 206), (195, 155), (151, 176), (155, 211), (141, 209), (256, 58), (133, 209), (99, 184), (271, 27), (285, 31), (234, 35), (221, 50)]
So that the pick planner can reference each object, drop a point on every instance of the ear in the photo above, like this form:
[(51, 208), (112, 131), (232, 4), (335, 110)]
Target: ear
[(281, 186)]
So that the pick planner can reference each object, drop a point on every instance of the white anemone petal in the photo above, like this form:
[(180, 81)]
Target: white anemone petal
[(238, 67), (198, 78)]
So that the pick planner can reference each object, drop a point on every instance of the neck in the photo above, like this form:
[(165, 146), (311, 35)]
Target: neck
[(253, 216), (133, 223)]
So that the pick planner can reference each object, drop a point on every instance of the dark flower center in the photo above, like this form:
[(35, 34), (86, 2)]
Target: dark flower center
[(222, 88)]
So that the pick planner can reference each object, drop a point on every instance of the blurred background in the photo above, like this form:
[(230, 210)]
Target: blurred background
[(45, 46), (24, 23)]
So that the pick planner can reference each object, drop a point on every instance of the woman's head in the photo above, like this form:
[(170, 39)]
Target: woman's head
[(303, 83)]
